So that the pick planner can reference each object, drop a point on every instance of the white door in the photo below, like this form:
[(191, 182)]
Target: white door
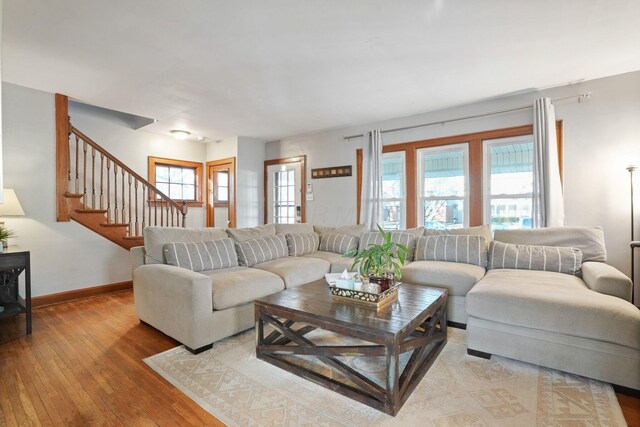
[(284, 193)]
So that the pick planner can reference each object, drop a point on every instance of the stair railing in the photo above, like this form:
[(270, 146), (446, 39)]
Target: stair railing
[(108, 185)]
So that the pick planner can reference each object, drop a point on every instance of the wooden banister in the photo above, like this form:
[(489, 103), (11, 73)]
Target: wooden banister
[(83, 182)]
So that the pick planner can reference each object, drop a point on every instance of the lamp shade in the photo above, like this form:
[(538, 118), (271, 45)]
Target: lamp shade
[(11, 205)]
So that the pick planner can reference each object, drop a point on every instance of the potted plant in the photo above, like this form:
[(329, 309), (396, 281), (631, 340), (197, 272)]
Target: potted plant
[(5, 233), (381, 263)]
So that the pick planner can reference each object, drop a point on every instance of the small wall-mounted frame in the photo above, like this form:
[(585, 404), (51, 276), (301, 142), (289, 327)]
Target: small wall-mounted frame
[(331, 172)]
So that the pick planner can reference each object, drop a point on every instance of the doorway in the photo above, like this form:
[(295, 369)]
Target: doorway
[(221, 193), (284, 183)]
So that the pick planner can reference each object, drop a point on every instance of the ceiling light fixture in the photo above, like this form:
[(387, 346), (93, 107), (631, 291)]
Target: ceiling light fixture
[(180, 134)]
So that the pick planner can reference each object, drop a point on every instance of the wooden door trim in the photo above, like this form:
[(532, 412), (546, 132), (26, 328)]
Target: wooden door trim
[(231, 162), (303, 163)]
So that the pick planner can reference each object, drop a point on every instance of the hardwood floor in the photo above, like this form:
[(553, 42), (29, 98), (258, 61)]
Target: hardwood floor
[(83, 366)]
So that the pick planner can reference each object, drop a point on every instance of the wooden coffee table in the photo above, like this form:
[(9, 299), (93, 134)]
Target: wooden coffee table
[(415, 323)]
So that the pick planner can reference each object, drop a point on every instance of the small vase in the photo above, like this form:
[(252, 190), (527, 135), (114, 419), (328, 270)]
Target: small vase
[(385, 282)]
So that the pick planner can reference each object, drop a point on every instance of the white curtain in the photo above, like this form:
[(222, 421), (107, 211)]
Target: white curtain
[(548, 202), (371, 206)]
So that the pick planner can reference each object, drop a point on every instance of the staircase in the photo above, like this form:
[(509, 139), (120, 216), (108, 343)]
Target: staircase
[(97, 190)]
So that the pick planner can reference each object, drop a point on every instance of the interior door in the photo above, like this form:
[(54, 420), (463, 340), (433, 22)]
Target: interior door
[(221, 210), (284, 185)]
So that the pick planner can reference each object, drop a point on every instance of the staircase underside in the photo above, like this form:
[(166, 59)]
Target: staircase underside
[(96, 220)]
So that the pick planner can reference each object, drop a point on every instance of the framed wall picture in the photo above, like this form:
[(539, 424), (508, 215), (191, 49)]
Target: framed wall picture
[(331, 172)]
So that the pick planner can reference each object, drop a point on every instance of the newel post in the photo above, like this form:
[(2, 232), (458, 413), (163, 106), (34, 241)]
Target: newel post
[(184, 213), (62, 156)]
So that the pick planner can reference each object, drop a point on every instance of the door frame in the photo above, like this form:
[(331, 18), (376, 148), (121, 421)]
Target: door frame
[(215, 164), (303, 178)]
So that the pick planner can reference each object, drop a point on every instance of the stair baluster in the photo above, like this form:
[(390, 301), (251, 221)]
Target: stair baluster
[(93, 177), (135, 186), (144, 202), (108, 190), (123, 198), (77, 165), (84, 174), (101, 181), (115, 193)]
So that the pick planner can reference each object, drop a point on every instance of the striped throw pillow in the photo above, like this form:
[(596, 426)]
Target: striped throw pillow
[(302, 243), (201, 256), (255, 251), (543, 258), (402, 237), (452, 248), (337, 242)]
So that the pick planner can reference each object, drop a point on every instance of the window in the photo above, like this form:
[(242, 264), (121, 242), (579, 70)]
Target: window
[(284, 197), (508, 166), (459, 181), (442, 187), (178, 179), (393, 191), (221, 189)]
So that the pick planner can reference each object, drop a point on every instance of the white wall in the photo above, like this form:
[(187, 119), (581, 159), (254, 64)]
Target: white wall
[(1, 161), (65, 255), (601, 137), (250, 179)]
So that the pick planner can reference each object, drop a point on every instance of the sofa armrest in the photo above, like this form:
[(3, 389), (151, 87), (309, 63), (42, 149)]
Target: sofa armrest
[(176, 301), (606, 279), (137, 257)]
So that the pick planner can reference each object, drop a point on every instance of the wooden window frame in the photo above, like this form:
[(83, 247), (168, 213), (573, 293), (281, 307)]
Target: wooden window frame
[(476, 159), (197, 166)]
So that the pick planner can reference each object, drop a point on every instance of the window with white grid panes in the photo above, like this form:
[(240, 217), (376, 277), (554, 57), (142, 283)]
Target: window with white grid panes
[(177, 182), (284, 197), (443, 182), (508, 166), (393, 191)]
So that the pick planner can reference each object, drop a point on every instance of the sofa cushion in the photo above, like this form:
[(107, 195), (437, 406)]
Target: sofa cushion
[(294, 228), (296, 271), (543, 258), (254, 251), (302, 243), (337, 242), (404, 237), (156, 237), (554, 302), (201, 256), (590, 240), (458, 278), (481, 230), (235, 286), (338, 262), (351, 230), (250, 233), (453, 248)]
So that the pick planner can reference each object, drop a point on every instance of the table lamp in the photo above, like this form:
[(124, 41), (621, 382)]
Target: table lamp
[(10, 207)]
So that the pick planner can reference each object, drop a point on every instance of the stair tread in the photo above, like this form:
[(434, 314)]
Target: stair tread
[(115, 224), (73, 195), (133, 238), (100, 211)]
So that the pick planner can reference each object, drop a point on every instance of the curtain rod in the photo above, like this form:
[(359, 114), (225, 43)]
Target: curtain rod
[(580, 98)]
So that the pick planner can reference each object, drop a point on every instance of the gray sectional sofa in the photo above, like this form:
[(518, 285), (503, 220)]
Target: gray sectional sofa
[(582, 324)]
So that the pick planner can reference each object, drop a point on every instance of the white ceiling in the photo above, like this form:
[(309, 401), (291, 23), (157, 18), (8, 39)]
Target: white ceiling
[(270, 69)]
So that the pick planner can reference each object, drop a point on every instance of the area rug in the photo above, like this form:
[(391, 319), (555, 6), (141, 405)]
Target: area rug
[(458, 390)]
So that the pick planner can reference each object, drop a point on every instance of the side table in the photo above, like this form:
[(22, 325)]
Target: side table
[(14, 261), (634, 244)]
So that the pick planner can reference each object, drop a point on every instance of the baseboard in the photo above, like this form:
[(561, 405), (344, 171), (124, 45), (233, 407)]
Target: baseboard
[(77, 294)]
